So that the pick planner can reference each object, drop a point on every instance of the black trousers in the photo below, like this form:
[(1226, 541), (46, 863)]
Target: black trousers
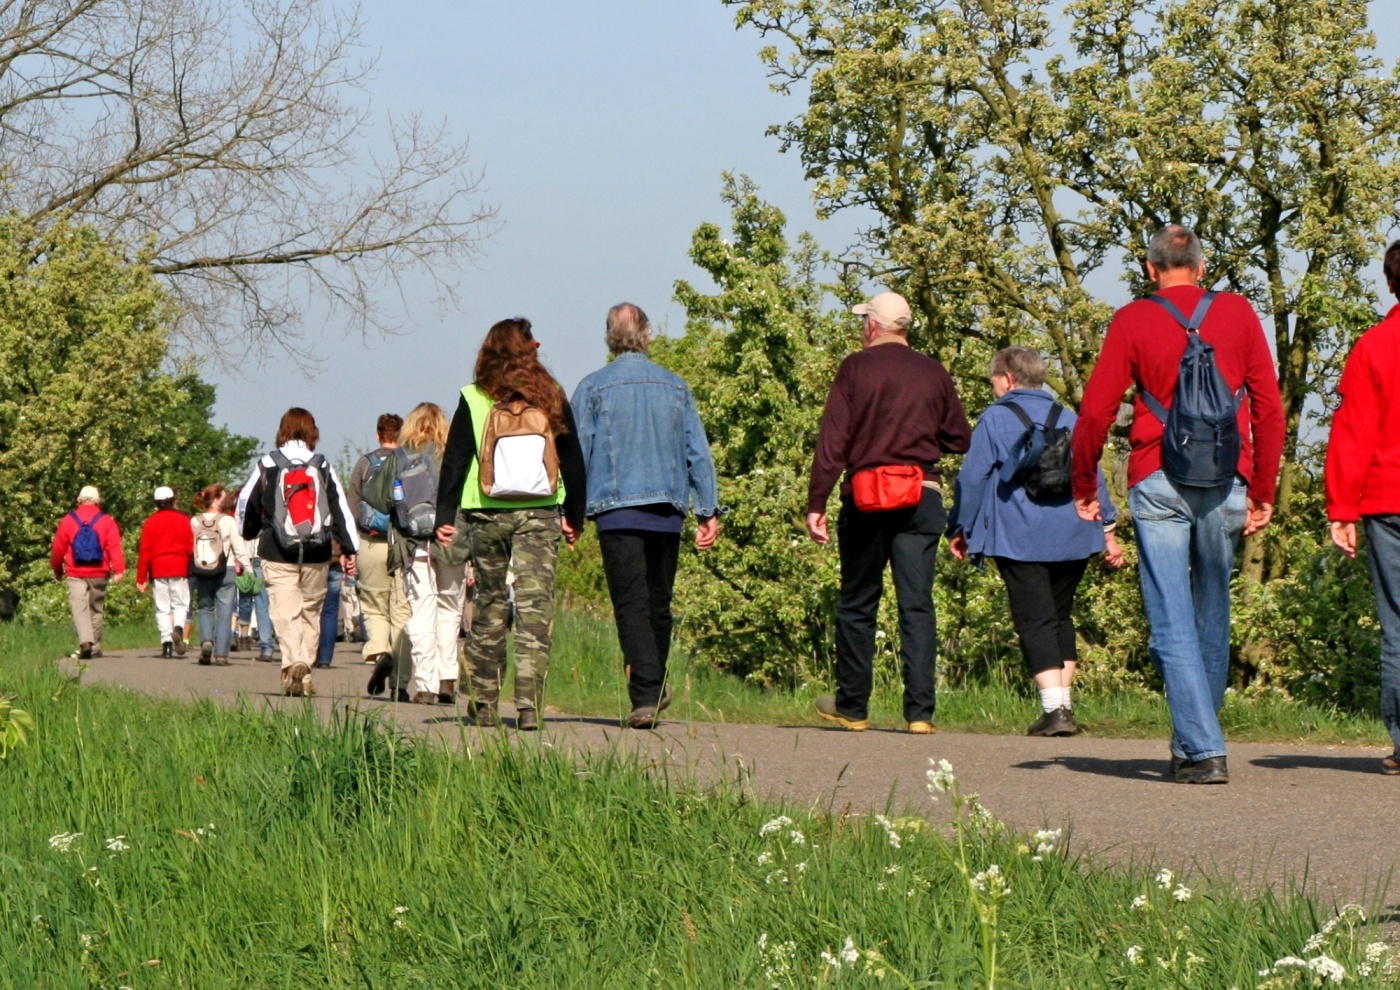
[(907, 540), (641, 571), (1042, 597)]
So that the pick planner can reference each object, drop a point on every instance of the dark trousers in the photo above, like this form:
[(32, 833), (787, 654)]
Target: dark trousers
[(330, 616), (1042, 597), (641, 571), (907, 540)]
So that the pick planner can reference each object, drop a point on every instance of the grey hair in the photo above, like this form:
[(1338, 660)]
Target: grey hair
[(1025, 366), (1175, 246), (628, 329)]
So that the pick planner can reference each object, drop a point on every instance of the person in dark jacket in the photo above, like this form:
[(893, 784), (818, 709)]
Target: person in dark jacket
[(519, 533), (1041, 547), (889, 407), (296, 581), (89, 567), (163, 562)]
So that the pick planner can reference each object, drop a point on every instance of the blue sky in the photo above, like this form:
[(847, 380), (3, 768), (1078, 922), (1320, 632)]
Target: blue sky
[(602, 128)]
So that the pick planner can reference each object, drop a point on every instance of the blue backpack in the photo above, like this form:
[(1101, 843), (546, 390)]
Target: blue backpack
[(87, 545), (1201, 432)]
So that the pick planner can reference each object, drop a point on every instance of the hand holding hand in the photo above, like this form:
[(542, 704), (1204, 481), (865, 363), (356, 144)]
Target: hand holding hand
[(445, 534), (816, 528), (1088, 509), (1113, 551), (347, 564), (571, 535)]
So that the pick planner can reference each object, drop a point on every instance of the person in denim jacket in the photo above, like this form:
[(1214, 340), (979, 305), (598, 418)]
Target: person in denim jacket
[(1041, 547), (647, 463)]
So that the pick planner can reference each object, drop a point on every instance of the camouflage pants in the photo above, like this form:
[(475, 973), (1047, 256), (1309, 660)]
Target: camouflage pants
[(525, 541)]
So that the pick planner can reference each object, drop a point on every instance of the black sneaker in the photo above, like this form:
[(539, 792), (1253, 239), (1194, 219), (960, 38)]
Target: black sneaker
[(166, 651), (1057, 723), (380, 677), (1211, 770), (84, 651), (179, 638)]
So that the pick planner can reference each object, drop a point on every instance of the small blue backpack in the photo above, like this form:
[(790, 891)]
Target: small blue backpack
[(87, 545), (1201, 431)]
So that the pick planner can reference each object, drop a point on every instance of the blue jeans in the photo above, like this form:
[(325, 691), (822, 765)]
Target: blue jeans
[(1186, 545), (1383, 557), (215, 609), (330, 616), (246, 605)]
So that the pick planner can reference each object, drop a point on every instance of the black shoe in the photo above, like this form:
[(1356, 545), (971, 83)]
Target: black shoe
[(166, 651), (84, 651), (526, 720), (380, 677), (403, 697), (1057, 723), (179, 638), (1211, 770), (206, 652), (1177, 763)]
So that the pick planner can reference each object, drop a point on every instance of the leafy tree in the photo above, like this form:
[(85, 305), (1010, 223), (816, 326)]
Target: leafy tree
[(229, 133), (83, 397)]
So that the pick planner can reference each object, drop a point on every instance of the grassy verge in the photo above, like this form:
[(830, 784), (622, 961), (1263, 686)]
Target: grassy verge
[(585, 678), (149, 844)]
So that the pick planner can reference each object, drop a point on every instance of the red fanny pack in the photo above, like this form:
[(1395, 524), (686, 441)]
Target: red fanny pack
[(888, 487)]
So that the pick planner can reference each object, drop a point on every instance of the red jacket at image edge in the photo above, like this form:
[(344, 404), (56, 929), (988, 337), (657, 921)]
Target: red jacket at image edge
[(167, 546), (1363, 449), (61, 556)]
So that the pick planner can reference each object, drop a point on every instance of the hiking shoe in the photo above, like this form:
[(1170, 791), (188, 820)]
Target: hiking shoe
[(921, 729), (527, 720), (1057, 723), (84, 651), (296, 680), (166, 652), (425, 698), (221, 661), (645, 716), (178, 638), (266, 656), (447, 692), (206, 652), (826, 708), (383, 667), (1211, 770), (483, 715), (402, 697), (1390, 765)]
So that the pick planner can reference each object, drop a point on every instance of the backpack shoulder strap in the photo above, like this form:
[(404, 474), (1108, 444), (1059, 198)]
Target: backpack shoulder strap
[(1198, 315), (1020, 414), (1054, 417), (77, 518), (1030, 445), (279, 460)]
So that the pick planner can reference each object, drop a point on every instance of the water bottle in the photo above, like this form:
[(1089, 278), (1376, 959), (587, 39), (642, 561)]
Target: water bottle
[(398, 490)]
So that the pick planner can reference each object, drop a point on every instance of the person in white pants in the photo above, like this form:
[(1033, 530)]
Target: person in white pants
[(163, 562)]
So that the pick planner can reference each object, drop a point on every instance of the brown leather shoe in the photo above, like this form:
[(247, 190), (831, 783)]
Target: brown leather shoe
[(425, 698), (1390, 765), (447, 692), (527, 720), (483, 715)]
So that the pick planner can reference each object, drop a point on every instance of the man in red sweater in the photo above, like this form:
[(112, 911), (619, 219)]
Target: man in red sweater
[(888, 407), (87, 553), (167, 546), (1186, 534), (1363, 482)]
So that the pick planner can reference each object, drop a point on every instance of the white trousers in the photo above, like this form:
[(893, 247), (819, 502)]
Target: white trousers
[(172, 600), (435, 593)]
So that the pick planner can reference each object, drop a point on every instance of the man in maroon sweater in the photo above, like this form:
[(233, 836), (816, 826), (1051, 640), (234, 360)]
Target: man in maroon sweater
[(888, 406), (1186, 534), (1363, 482)]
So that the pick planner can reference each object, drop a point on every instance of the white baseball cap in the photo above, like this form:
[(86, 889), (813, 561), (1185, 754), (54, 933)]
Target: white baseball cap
[(890, 309), (89, 493), (164, 492)]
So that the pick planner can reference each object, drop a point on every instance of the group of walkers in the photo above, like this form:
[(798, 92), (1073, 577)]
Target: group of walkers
[(486, 500)]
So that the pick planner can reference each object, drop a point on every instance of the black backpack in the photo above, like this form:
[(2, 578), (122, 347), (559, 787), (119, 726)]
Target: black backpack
[(1042, 466), (1201, 431)]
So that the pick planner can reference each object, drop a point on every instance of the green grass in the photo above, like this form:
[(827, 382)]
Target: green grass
[(266, 850)]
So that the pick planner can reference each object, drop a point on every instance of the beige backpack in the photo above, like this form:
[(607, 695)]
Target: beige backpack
[(518, 459)]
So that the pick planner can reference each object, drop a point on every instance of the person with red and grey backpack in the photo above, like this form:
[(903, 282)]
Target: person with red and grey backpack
[(295, 506), (87, 553)]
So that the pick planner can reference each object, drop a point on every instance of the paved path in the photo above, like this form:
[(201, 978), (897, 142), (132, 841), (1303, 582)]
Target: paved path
[(1290, 811)]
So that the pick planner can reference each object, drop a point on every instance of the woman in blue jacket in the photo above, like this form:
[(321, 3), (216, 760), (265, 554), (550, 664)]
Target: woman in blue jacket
[(1041, 546)]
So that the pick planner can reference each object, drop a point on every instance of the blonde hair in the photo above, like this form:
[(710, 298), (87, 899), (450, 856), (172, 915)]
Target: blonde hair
[(425, 425)]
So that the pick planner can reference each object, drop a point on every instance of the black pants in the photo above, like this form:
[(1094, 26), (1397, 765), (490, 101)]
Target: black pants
[(641, 571), (907, 540), (1042, 597)]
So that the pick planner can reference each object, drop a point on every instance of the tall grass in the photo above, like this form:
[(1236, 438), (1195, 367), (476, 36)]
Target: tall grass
[(146, 843)]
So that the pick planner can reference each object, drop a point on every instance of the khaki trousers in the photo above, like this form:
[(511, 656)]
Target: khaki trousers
[(86, 597), (295, 595), (386, 614)]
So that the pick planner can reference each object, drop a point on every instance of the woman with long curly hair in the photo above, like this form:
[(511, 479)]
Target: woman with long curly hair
[(216, 564), (516, 530)]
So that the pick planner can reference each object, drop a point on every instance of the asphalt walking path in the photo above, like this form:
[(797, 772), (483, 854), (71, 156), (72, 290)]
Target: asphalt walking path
[(1320, 815)]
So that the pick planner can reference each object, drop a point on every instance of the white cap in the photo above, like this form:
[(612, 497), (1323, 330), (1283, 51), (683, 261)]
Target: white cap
[(890, 309), (164, 492), (89, 494)]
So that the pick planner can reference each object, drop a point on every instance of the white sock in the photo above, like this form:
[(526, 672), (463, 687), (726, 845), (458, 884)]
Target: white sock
[(1050, 698), (1064, 698)]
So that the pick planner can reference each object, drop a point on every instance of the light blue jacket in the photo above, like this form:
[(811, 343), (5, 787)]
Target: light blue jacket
[(643, 442), (997, 517)]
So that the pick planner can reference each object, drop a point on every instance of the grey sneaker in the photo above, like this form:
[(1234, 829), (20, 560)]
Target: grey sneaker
[(1060, 722)]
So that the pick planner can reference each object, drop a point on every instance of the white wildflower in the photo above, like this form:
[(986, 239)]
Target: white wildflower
[(940, 776), (830, 959), (776, 959), (86, 939), (891, 832), (801, 867), (1135, 955), (117, 844), (881, 886), (1140, 902), (1046, 840), (1164, 879), (401, 909), (775, 825), (1328, 968), (64, 841), (777, 876), (1376, 951), (990, 881), (1182, 893), (765, 857), (797, 838), (849, 955), (892, 869)]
